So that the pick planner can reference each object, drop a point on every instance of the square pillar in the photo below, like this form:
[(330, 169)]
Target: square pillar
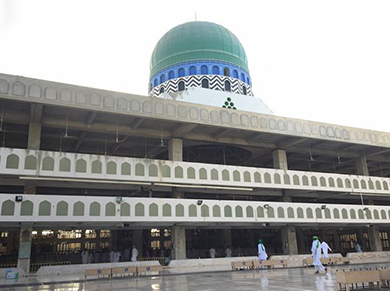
[(227, 238), (280, 159), (178, 237), (362, 167), (34, 136), (137, 237), (177, 194), (175, 149), (375, 239), (289, 239), (24, 252)]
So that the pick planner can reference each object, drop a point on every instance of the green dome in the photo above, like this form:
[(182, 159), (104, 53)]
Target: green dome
[(197, 40)]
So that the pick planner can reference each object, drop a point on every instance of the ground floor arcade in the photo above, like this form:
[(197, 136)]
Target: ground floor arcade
[(64, 246)]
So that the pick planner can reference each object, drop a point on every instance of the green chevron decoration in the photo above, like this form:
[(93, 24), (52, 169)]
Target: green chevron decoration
[(229, 104)]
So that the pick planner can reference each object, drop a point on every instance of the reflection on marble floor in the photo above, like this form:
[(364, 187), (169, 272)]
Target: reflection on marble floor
[(295, 279)]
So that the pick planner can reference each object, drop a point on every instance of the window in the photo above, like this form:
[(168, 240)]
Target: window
[(226, 72), (162, 79), (205, 83), (204, 70), (247, 81), (161, 90), (192, 70), (154, 232), (171, 75), (215, 70), (227, 86), (181, 72), (68, 234), (242, 77), (155, 82), (90, 233), (348, 241), (235, 74), (384, 239), (243, 90), (105, 233), (181, 86)]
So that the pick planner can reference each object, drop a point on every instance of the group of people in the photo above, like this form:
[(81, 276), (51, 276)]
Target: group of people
[(318, 250), (114, 256)]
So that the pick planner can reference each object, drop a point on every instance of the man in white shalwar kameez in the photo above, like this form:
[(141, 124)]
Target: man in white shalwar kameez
[(84, 257), (325, 248), (261, 251), (213, 253), (316, 254), (134, 254)]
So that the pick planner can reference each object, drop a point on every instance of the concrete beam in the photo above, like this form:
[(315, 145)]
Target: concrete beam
[(136, 123), (91, 117), (79, 141), (184, 129), (290, 142), (220, 132)]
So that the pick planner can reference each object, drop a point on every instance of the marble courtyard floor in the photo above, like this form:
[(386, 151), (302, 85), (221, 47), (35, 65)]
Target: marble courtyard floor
[(292, 279)]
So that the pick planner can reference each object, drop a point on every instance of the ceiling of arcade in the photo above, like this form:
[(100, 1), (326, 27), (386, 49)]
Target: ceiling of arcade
[(73, 130)]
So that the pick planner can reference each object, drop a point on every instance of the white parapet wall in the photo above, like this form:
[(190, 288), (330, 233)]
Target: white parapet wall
[(76, 167), (48, 209)]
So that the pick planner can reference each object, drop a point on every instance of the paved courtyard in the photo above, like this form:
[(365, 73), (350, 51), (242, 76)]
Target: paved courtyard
[(299, 279)]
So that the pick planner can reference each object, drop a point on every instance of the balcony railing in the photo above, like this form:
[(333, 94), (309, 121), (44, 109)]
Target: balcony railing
[(100, 168)]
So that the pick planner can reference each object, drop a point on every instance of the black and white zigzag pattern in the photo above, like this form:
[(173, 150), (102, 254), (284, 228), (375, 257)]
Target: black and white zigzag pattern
[(216, 82)]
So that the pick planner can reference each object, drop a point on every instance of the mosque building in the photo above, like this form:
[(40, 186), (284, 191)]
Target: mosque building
[(198, 162)]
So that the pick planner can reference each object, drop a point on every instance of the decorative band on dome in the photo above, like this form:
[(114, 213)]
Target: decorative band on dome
[(214, 82)]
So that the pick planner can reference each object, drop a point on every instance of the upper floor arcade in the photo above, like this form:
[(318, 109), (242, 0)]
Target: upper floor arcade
[(51, 116)]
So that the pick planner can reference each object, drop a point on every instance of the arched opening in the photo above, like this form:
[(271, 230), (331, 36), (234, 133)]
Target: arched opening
[(215, 70), (205, 83), (235, 74), (181, 86), (244, 90), (162, 79), (181, 72), (161, 90), (204, 70), (226, 71), (155, 82), (227, 86), (192, 70), (171, 75), (242, 77)]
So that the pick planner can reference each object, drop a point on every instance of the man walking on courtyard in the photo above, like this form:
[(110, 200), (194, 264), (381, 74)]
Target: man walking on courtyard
[(261, 251), (316, 254), (325, 248)]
